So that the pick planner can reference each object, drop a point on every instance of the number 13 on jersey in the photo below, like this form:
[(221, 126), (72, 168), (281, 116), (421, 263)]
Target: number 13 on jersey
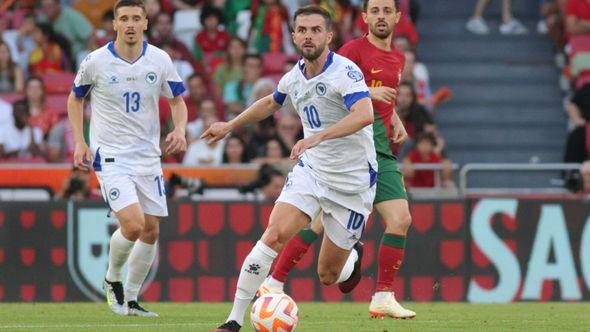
[(132, 100)]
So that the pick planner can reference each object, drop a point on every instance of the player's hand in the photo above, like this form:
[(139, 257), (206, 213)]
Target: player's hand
[(176, 141), (399, 133), (303, 145), (383, 94), (82, 156), (216, 132)]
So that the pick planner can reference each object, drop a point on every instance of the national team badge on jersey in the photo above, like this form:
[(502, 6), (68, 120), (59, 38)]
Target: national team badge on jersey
[(89, 235), (320, 88), (114, 194), (151, 77)]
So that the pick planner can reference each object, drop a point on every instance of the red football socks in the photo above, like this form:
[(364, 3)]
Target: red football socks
[(391, 256), (292, 253)]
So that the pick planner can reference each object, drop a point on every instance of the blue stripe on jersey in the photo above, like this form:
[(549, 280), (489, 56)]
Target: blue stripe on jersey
[(279, 97), (329, 61), (372, 176), (111, 47), (82, 90), (96, 164), (352, 98), (176, 87)]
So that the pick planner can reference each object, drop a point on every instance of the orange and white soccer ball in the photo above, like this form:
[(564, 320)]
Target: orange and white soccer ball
[(274, 312)]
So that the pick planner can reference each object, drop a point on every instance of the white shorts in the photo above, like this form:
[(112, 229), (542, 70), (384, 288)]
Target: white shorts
[(121, 190), (343, 215)]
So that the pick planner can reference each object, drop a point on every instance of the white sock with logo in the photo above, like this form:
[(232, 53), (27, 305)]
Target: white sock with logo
[(119, 250), (252, 275), (348, 267), (139, 263)]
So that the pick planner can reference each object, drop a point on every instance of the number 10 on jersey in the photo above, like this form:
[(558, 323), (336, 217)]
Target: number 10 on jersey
[(313, 117)]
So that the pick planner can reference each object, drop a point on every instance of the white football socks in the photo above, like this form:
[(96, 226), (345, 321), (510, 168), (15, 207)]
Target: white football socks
[(252, 275), (348, 266), (139, 263), (119, 250)]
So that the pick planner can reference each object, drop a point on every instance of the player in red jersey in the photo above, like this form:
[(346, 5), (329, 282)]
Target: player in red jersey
[(382, 66)]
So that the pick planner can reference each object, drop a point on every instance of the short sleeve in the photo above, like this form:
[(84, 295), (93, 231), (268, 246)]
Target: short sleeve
[(172, 85), (349, 51), (352, 86), (282, 90), (84, 78)]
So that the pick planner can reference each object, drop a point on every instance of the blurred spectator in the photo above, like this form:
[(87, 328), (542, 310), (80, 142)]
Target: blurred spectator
[(275, 152), (236, 93), (20, 41), (585, 173), (197, 92), (11, 76), (552, 21), (578, 142), (262, 132), (424, 153), (268, 184), (231, 69), (402, 43), (152, 9), (578, 17), (68, 22), (20, 140), (270, 27), (234, 151), (48, 56), (60, 141), (94, 10), (186, 4), (200, 153), (195, 128), (414, 116), (289, 129), (183, 68), (262, 88), (230, 13), (76, 187), (162, 33), (342, 13), (99, 37), (509, 26), (212, 40), (417, 73), (41, 116)]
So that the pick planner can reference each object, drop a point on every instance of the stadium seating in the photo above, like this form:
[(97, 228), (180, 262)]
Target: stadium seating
[(186, 25), (57, 83)]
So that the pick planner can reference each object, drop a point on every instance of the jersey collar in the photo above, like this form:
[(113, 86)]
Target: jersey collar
[(329, 61), (111, 47)]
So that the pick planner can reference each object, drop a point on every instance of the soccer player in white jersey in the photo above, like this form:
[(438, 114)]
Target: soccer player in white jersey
[(125, 79), (336, 172)]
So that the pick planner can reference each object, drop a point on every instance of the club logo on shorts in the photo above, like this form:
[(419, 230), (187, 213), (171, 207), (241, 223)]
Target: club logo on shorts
[(320, 88), (114, 194), (151, 77)]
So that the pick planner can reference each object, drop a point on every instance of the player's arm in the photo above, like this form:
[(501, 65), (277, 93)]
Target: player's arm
[(360, 116), (577, 26), (261, 109), (177, 138), (82, 153)]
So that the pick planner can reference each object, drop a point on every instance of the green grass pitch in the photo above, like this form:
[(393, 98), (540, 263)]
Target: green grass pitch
[(313, 317)]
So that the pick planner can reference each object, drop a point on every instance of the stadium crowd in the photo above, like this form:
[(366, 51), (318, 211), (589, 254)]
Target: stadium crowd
[(229, 53)]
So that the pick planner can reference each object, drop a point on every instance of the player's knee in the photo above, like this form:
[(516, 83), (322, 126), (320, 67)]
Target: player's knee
[(132, 231), (272, 238), (150, 234), (398, 223)]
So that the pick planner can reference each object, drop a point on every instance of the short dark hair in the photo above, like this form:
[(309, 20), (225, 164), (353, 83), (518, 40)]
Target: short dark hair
[(208, 11), (128, 3), (313, 9), (424, 136), (366, 5), (252, 56)]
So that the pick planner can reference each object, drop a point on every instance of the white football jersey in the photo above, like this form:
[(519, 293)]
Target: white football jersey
[(125, 125), (347, 164)]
